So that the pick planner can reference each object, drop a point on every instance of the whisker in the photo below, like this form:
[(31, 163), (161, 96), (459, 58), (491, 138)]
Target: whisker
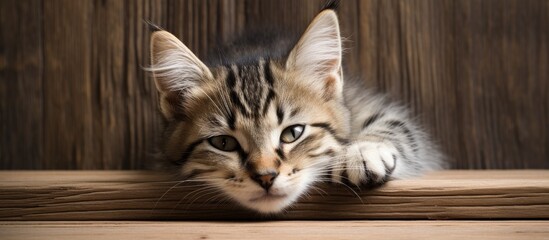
[(166, 192), (193, 192), (319, 191), (201, 195)]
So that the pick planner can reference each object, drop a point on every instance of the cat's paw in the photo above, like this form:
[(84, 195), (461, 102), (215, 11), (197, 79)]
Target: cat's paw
[(366, 164)]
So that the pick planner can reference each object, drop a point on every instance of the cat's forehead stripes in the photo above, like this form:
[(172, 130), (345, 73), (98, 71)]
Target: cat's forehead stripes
[(251, 88), (294, 111), (279, 114)]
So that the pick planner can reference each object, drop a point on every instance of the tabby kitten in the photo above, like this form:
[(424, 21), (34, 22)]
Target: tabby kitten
[(266, 122)]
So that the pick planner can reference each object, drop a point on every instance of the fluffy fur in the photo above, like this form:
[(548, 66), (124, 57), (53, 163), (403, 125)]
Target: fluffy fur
[(264, 130)]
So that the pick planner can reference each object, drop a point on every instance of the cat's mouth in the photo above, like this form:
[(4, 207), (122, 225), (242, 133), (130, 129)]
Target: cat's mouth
[(268, 197)]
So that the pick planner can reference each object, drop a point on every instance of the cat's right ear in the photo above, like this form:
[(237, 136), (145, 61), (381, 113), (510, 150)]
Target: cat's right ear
[(317, 55), (177, 72)]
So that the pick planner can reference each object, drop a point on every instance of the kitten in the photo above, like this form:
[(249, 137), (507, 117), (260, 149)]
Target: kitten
[(266, 123)]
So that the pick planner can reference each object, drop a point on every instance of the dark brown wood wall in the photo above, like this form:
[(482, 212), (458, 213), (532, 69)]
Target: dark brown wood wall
[(73, 94)]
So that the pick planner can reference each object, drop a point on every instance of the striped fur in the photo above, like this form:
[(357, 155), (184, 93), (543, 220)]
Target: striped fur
[(337, 132)]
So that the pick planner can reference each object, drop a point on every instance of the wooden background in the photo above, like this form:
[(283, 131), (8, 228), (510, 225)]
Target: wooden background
[(73, 94)]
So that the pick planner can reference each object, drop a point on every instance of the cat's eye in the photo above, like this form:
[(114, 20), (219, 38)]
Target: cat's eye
[(291, 133), (224, 143)]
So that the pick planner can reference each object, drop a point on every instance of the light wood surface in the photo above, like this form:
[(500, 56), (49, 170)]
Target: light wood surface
[(142, 195), (277, 230)]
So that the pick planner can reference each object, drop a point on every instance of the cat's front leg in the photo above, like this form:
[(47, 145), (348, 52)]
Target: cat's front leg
[(366, 163)]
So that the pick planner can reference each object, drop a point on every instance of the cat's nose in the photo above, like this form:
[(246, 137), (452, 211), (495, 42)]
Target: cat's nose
[(265, 180)]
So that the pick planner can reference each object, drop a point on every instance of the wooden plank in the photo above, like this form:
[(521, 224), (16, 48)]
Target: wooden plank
[(278, 230), (141, 195), (125, 120), (141, 125), (107, 73), (21, 97), (68, 119), (502, 50)]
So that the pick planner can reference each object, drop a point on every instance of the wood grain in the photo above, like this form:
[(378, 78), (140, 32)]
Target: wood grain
[(21, 85), (140, 195), (67, 85), (73, 94), (277, 230)]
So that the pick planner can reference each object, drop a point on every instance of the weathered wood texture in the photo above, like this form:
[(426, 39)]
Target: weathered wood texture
[(73, 94), (277, 230), (131, 195)]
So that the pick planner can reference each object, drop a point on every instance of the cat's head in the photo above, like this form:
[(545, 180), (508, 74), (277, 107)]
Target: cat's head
[(262, 132)]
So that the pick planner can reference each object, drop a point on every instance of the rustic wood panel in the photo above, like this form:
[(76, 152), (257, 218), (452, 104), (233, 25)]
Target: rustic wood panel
[(502, 72), (278, 230), (95, 89), (21, 82), (74, 95), (131, 195), (68, 119), (107, 75)]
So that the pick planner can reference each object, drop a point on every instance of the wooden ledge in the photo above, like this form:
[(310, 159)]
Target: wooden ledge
[(142, 195)]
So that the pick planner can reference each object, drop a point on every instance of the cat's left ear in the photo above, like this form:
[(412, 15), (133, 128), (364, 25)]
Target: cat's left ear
[(317, 55)]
